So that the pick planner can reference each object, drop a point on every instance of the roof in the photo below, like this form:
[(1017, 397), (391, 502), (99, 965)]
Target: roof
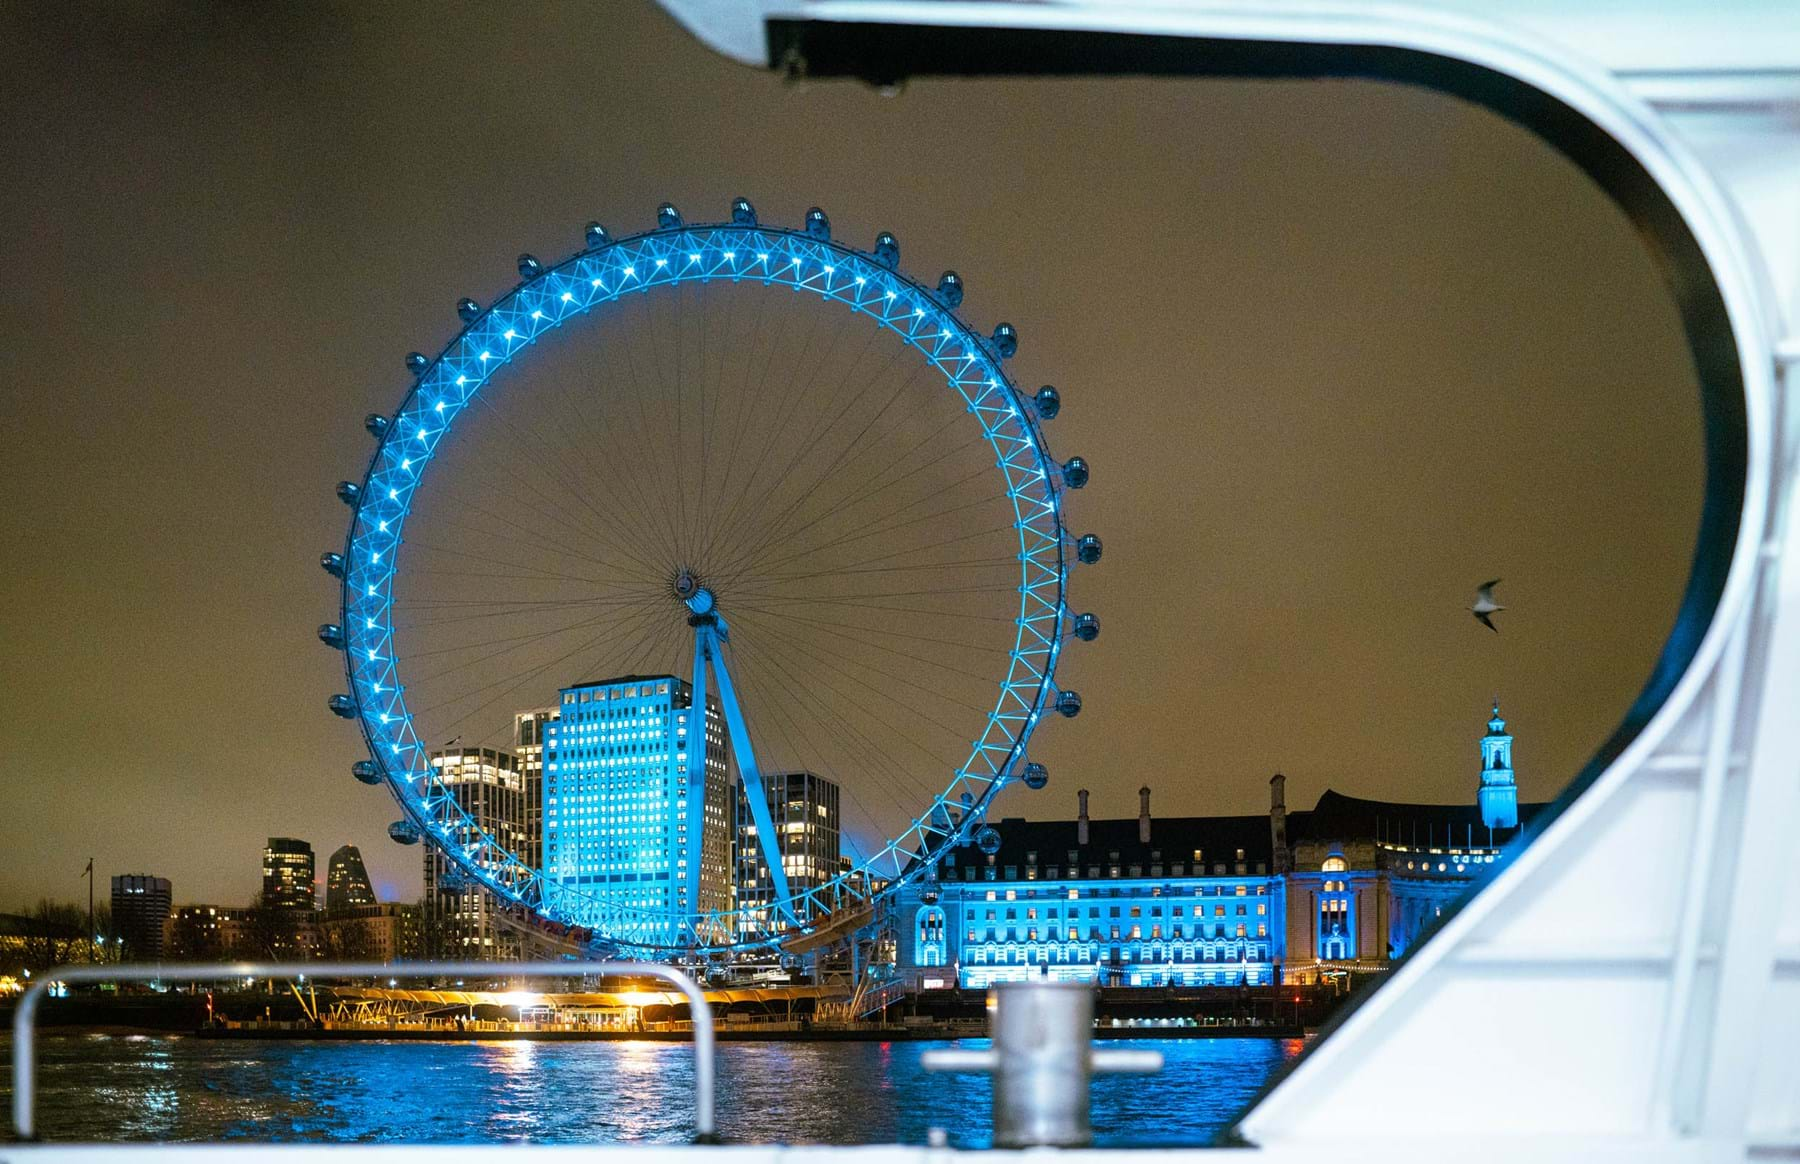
[(617, 679), (1172, 838), (1337, 817)]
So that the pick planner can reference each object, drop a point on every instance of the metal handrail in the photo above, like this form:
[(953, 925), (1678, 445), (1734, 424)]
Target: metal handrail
[(25, 1052)]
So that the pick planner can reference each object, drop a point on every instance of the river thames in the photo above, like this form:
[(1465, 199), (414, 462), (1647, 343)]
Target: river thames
[(95, 1087)]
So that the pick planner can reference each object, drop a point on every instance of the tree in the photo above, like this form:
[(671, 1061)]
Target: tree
[(194, 938), (272, 933), (350, 940), (56, 935)]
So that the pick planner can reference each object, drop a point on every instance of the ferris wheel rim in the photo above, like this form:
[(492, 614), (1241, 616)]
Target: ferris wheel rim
[(672, 255)]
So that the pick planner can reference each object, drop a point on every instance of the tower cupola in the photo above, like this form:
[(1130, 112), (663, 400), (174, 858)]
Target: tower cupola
[(1497, 795)]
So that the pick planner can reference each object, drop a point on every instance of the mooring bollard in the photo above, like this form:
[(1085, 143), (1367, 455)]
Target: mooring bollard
[(1042, 1062)]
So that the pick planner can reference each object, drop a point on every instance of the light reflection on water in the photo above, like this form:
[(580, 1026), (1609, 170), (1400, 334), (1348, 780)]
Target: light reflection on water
[(100, 1088)]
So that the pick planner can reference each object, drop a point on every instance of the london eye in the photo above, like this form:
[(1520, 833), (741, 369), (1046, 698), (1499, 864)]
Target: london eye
[(770, 518)]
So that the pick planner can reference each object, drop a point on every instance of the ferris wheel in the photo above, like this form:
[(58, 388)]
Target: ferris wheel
[(770, 516)]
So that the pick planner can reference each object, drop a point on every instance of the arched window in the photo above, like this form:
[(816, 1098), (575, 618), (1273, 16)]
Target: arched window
[(1335, 864), (929, 927)]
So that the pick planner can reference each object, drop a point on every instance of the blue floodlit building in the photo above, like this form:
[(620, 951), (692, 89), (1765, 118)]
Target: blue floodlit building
[(615, 798), (1206, 901)]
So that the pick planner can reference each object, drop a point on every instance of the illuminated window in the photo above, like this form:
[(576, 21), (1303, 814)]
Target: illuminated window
[(1335, 865)]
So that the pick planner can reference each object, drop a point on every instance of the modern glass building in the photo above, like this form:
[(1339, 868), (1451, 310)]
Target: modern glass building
[(460, 919), (616, 798), (347, 881), (289, 874), (804, 809), (528, 750)]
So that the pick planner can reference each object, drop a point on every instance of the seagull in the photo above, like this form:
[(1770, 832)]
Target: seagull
[(1485, 605)]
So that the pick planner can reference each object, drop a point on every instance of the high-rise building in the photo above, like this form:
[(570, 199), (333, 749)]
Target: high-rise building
[(460, 919), (288, 875), (140, 907), (528, 750), (347, 881), (804, 809), (616, 802)]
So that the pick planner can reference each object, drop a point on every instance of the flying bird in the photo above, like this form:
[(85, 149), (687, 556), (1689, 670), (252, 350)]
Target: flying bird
[(1485, 606)]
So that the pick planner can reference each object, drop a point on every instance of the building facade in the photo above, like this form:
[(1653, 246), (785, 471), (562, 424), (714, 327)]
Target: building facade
[(374, 933), (1187, 901), (528, 751), (461, 920), (803, 807), (1208, 901), (347, 881), (289, 875), (208, 933), (616, 796), (140, 910)]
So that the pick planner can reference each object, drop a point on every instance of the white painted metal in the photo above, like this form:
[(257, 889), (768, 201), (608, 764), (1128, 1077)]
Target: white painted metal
[(1631, 983)]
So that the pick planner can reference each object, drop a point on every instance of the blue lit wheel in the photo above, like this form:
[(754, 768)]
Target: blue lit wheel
[(772, 474)]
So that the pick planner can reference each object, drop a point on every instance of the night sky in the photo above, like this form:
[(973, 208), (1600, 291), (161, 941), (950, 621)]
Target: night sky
[(1337, 353)]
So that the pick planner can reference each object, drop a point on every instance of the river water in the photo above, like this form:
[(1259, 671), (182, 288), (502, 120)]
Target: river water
[(154, 1087)]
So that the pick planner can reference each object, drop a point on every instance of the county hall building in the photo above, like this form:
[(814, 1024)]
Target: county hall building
[(1207, 901)]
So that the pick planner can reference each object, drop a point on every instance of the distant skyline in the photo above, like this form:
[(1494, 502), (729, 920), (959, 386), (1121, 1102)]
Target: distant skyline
[(1337, 352)]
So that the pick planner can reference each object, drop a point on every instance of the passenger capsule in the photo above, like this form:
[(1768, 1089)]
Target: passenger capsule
[(529, 267), (742, 212), (887, 250), (1048, 402), (1068, 704), (1036, 776), (404, 832), (597, 236), (348, 492), (950, 289), (988, 840), (1087, 548), (416, 362), (817, 225), (1087, 627), (667, 217), (332, 635), (366, 771), (377, 424), (968, 798), (342, 706), (1075, 472), (468, 310), (1006, 341), (332, 564)]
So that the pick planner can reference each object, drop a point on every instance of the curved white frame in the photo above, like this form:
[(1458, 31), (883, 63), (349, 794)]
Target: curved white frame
[(1630, 984)]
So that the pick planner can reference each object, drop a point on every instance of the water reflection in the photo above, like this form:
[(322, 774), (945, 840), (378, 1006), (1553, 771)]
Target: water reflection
[(163, 1088)]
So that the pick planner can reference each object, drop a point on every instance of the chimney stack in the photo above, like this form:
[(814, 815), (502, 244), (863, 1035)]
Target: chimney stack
[(1144, 815), (1081, 820), (1278, 822)]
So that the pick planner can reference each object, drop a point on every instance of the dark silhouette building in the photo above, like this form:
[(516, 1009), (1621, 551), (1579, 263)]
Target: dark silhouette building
[(140, 907), (347, 881)]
